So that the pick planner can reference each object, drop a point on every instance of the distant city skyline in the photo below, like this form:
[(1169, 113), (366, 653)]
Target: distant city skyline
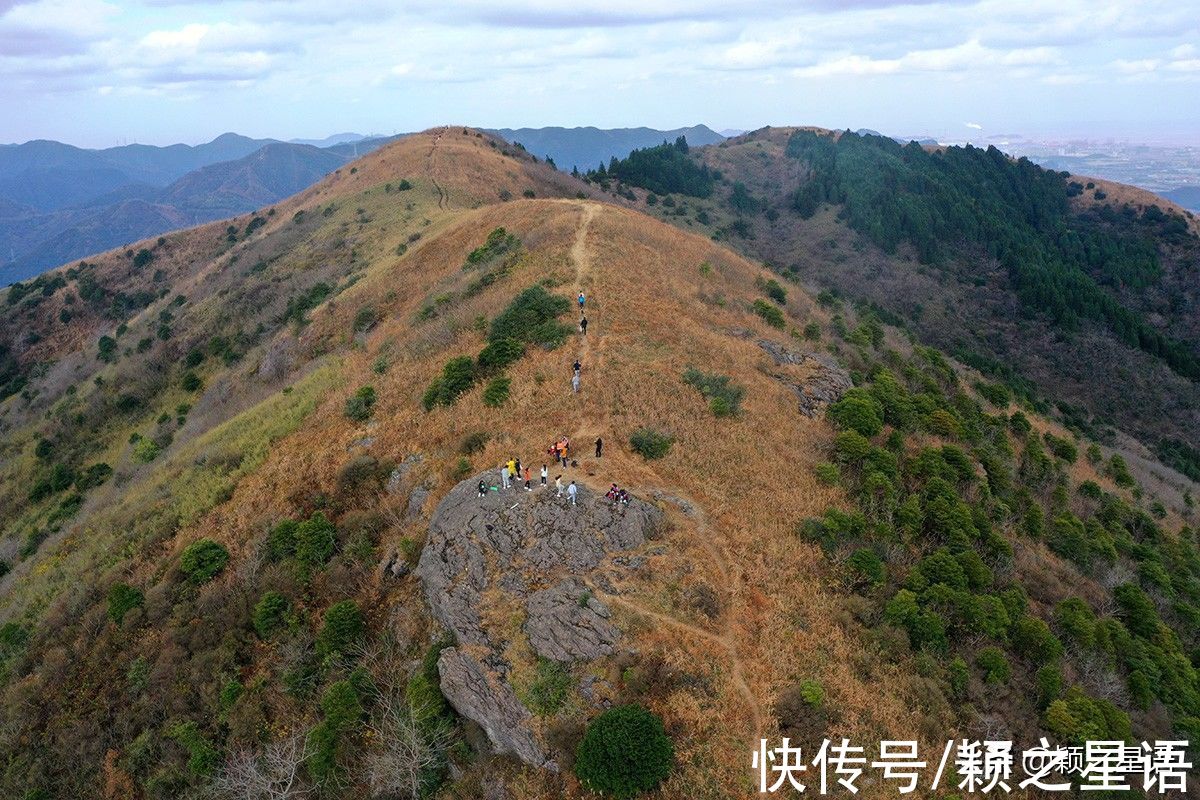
[(98, 73)]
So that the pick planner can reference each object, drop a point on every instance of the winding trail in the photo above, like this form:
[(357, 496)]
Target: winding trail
[(590, 353), (443, 200)]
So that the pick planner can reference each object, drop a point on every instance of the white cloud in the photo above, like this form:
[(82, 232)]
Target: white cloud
[(974, 125)]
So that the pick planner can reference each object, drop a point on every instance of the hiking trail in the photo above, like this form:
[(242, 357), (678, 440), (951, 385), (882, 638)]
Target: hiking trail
[(443, 199), (590, 353)]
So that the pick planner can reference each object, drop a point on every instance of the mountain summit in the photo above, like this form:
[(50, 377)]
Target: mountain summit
[(256, 529)]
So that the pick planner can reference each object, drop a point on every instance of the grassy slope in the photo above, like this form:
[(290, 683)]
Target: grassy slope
[(260, 447)]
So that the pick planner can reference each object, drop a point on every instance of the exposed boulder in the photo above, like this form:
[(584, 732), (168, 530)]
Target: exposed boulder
[(537, 554), (825, 382)]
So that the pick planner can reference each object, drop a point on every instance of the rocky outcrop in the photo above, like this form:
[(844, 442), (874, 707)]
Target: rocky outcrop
[(825, 382), (538, 555)]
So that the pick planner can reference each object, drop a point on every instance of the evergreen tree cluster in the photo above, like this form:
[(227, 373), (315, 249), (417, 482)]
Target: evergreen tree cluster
[(966, 202), (665, 169)]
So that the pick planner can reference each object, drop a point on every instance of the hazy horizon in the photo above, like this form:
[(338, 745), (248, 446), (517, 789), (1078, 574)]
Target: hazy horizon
[(97, 73)]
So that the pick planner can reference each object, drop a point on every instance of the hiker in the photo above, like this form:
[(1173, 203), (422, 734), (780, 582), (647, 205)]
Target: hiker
[(575, 383), (545, 473), (562, 452), (583, 325), (512, 473), (611, 494), (558, 485), (482, 488), (576, 367), (572, 491), (504, 476), (517, 470), (623, 497), (599, 446), (581, 301), (527, 478)]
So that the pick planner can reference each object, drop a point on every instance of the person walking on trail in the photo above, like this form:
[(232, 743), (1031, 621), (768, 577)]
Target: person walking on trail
[(582, 299), (577, 367), (558, 485), (572, 490), (599, 446), (482, 488), (545, 474), (575, 383), (527, 478), (583, 325)]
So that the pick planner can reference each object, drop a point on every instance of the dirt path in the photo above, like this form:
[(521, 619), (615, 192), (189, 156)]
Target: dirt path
[(591, 355), (443, 200)]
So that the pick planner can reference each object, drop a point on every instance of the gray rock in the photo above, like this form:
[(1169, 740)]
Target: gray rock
[(492, 704), (825, 384), (542, 554), (559, 627), (416, 501), (366, 441)]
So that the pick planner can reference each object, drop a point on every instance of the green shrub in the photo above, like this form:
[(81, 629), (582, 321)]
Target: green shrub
[(724, 396), (1032, 639), (828, 474), (361, 405), (995, 393), (812, 693), (532, 317), (203, 560), (366, 318), (1062, 449), (342, 629), (495, 394), (315, 540), (549, 688), (651, 444), (959, 677), (1049, 685), (1118, 470), (458, 375), (145, 450), (281, 541), (770, 314), (774, 291), (624, 751), (203, 757), (343, 710), (1077, 719), (857, 411), (866, 567), (190, 382), (994, 665), (93, 476), (499, 354), (270, 614), (123, 598)]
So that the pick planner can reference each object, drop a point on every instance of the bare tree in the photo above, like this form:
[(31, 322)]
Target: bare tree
[(409, 745), (273, 774)]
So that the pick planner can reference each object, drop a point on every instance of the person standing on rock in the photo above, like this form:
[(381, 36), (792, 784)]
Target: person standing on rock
[(512, 472), (545, 474), (482, 488), (527, 479), (572, 490), (517, 469), (504, 476), (599, 446), (583, 325), (558, 485)]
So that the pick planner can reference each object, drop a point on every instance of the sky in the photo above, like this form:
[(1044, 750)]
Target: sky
[(99, 73)]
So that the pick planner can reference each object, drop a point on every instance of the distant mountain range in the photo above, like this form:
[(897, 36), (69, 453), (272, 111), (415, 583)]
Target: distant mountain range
[(59, 202), (586, 148)]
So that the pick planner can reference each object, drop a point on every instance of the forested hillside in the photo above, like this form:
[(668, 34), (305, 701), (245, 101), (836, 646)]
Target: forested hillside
[(1080, 294)]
